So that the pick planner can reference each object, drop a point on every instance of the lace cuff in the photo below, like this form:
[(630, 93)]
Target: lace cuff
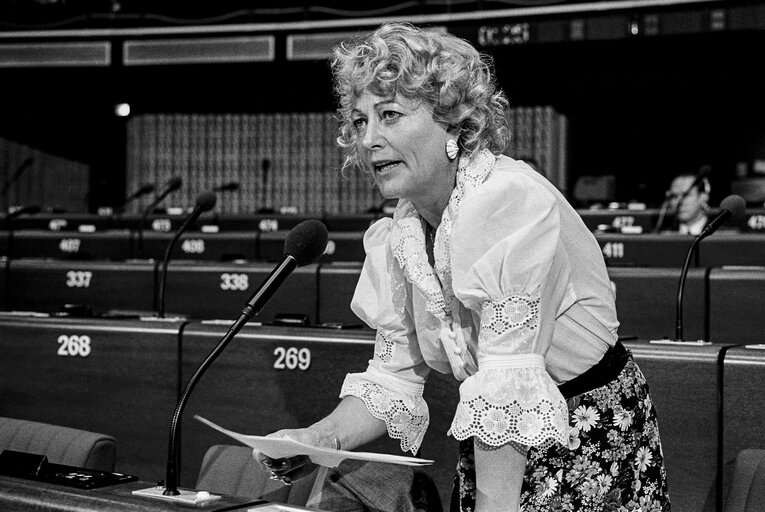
[(512, 399), (406, 416)]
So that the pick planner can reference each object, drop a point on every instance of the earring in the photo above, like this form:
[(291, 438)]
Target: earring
[(452, 149)]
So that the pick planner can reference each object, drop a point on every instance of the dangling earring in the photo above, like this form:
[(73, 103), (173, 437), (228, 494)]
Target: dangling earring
[(452, 149)]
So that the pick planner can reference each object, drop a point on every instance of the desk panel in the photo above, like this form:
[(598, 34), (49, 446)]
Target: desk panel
[(62, 222), (4, 243), (205, 290), (46, 285), (736, 299), (337, 283), (115, 377), (744, 404), (683, 384), (197, 246), (727, 248), (622, 218), (646, 302), (341, 246), (252, 389), (647, 250), (69, 245), (27, 495)]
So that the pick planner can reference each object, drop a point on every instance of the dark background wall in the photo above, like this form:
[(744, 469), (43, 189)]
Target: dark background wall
[(640, 108)]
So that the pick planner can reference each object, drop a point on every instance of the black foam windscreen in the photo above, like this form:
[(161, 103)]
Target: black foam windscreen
[(306, 242)]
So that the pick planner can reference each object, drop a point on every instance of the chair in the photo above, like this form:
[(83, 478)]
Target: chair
[(228, 469), (61, 445), (747, 487)]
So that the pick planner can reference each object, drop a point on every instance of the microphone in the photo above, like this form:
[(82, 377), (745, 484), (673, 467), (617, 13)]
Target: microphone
[(18, 212), (26, 164), (668, 207), (205, 202), (227, 187), (304, 245), (172, 185), (702, 175), (732, 207), (146, 188)]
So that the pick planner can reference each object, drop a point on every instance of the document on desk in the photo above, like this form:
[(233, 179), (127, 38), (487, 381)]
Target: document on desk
[(278, 448)]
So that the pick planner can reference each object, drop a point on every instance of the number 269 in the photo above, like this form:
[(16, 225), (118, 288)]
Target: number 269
[(292, 358)]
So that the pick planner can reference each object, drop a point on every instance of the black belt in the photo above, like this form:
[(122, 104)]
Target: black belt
[(604, 371)]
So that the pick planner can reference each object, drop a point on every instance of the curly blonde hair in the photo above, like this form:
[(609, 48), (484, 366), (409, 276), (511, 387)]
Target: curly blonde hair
[(446, 72)]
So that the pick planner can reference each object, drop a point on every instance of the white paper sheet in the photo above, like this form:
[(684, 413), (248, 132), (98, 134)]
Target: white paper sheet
[(278, 448)]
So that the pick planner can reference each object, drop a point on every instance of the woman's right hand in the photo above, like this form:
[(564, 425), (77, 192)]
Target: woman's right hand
[(291, 469)]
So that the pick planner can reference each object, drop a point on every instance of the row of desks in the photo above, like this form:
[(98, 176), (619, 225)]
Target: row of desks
[(123, 377), (718, 302), (618, 219), (652, 250)]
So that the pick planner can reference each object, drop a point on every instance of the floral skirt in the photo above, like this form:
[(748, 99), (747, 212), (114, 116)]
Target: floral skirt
[(613, 461)]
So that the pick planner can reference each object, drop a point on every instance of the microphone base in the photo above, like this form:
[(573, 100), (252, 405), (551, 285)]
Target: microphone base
[(186, 497), (694, 343)]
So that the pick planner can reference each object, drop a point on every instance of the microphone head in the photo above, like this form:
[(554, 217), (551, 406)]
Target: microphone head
[(735, 205), (145, 189), (206, 201), (306, 242), (174, 183), (227, 187)]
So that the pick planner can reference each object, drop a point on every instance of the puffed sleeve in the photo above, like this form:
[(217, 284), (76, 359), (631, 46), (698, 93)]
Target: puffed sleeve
[(392, 385), (508, 267)]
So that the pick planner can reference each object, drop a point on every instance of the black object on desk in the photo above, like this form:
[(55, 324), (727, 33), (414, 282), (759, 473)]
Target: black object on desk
[(32, 466)]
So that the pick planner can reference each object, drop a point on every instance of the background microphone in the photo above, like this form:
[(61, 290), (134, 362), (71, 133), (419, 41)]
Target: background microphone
[(205, 202), (227, 187), (670, 206), (172, 185), (700, 177), (146, 188), (304, 245), (16, 175), (732, 207), (18, 212)]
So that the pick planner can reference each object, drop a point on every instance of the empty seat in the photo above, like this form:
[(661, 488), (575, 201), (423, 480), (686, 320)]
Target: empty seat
[(61, 445)]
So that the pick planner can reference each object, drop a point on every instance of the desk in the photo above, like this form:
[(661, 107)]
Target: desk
[(337, 284), (647, 250), (646, 300), (46, 285), (341, 246), (683, 384), (207, 290), (261, 383), (196, 245), (727, 248), (62, 222), (736, 304), (4, 243), (69, 245), (744, 404), (17, 494), (115, 377), (618, 219)]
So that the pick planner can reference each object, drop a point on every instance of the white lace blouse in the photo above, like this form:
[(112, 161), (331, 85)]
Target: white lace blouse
[(518, 301)]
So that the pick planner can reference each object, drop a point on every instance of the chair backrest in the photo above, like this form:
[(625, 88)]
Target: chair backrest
[(228, 469), (747, 488), (61, 445)]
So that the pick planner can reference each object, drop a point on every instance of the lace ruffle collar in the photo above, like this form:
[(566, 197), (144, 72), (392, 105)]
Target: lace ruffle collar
[(408, 238)]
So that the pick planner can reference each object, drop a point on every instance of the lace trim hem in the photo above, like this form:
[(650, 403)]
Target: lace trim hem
[(408, 424), (520, 405)]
